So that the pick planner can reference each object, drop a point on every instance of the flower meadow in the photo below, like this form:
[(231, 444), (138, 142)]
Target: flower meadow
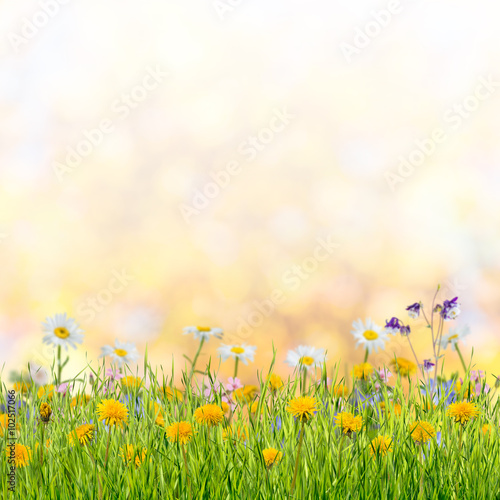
[(406, 430)]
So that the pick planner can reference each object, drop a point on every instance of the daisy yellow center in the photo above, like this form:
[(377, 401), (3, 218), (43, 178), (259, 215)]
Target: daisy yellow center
[(61, 332), (453, 337), (306, 360), (203, 328), (370, 335), (238, 350), (121, 352)]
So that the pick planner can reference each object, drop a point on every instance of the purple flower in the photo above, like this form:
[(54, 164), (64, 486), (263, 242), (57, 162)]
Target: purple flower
[(451, 309), (212, 391), (444, 391), (63, 388), (233, 384), (384, 374), (393, 326), (278, 424), (476, 375), (361, 400), (414, 310), (114, 374), (405, 330), (480, 389), (428, 365)]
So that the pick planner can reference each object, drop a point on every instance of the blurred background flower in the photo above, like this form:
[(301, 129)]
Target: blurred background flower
[(164, 165)]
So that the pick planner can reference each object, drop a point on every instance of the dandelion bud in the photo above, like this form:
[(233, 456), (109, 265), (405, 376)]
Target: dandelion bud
[(45, 412)]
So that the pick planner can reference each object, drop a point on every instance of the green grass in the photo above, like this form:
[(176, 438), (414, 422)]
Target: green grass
[(225, 469)]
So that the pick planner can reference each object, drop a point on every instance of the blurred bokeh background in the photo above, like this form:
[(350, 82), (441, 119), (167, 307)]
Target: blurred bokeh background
[(117, 116)]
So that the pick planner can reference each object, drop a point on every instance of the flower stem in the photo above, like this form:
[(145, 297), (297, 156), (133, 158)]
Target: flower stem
[(236, 361), (438, 341), (98, 475), (304, 381), (59, 365), (421, 456), (107, 449), (193, 366), (460, 438), (187, 470), (415, 356), (42, 445), (301, 438), (366, 355), (340, 453), (461, 357)]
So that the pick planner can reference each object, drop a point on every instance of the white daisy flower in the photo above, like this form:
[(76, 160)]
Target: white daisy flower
[(203, 332), (305, 357), (62, 331), (122, 353), (243, 352), (454, 335), (369, 335)]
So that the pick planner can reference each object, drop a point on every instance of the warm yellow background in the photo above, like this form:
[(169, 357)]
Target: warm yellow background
[(323, 175)]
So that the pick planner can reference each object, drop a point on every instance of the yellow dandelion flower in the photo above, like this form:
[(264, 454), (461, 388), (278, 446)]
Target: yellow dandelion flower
[(271, 456), (381, 445), (246, 393), (462, 412), (303, 407), (363, 371), (486, 429), (341, 391), (83, 434), (275, 382), (171, 393), (112, 412), (80, 400), (348, 422), (225, 407), (238, 394), (45, 412), (180, 432), (4, 424), (18, 454), (131, 383), (238, 433), (46, 391), (396, 407), (22, 387), (254, 406), (422, 431), (427, 406), (404, 366), (250, 392), (210, 415), (133, 454), (467, 393), (157, 413)]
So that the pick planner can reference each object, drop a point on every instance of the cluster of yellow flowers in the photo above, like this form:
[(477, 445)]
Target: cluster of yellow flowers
[(115, 414)]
